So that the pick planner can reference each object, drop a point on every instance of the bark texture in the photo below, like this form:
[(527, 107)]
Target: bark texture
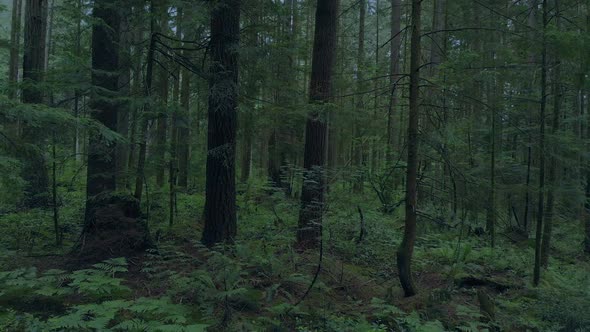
[(112, 226), (102, 157), (34, 170), (316, 128), (220, 203)]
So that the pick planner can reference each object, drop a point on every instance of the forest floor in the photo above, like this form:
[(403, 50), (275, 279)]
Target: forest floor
[(262, 284)]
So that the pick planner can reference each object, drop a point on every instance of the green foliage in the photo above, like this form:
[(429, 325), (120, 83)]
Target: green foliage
[(488, 72), (143, 314), (108, 310), (471, 318), (28, 230), (413, 322), (100, 281), (12, 186), (345, 324)]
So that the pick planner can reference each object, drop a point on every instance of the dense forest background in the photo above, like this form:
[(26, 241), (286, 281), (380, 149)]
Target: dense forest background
[(294, 165)]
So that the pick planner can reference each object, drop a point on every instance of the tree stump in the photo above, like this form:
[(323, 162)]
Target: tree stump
[(113, 227)]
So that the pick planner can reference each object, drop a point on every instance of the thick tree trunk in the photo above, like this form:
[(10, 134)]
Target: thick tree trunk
[(34, 51), (220, 189), (102, 156), (406, 249), (316, 128), (34, 170), (112, 226)]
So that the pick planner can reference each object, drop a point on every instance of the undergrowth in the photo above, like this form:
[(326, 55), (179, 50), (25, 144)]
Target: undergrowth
[(260, 283)]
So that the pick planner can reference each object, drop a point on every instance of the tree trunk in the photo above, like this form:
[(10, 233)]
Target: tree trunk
[(357, 145), (14, 48), (532, 23), (491, 211), (77, 52), (140, 170), (173, 165), (34, 51), (274, 165), (48, 39), (246, 153), (162, 121), (136, 87), (161, 129), (438, 45), (220, 189), (552, 176), (34, 170), (406, 249), (124, 109), (394, 71), (541, 202), (282, 130), (112, 227), (247, 131), (183, 130), (316, 127), (102, 157)]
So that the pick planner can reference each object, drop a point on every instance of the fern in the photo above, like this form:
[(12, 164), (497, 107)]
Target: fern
[(143, 314), (97, 284), (113, 265)]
